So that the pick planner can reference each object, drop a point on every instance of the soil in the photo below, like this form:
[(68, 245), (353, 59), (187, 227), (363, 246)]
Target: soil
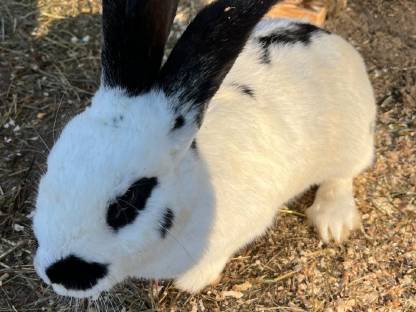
[(49, 69)]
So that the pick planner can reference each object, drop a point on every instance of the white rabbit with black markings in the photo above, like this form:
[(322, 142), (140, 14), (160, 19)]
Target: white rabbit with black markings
[(169, 172)]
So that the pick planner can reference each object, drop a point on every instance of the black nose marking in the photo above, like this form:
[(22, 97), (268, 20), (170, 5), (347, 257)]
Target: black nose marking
[(76, 274)]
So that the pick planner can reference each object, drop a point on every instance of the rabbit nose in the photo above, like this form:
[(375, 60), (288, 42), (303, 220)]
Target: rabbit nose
[(75, 273)]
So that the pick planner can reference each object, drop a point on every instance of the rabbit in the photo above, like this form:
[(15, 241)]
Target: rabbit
[(172, 169)]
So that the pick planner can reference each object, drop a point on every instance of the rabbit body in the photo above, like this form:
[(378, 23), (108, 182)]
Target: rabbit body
[(272, 131)]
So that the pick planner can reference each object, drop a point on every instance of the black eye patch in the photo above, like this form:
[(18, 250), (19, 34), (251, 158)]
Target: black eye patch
[(127, 207)]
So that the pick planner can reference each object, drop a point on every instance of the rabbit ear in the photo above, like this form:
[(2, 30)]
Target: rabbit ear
[(206, 52), (134, 37)]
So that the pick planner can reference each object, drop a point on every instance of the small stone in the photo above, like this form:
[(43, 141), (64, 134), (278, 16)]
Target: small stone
[(18, 228), (40, 115), (85, 39)]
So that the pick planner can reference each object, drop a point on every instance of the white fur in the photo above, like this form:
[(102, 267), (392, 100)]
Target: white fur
[(309, 122)]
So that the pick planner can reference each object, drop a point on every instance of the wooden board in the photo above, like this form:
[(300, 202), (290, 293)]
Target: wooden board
[(312, 11)]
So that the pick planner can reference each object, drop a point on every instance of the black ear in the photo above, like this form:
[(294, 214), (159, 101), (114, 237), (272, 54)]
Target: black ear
[(134, 37), (207, 50)]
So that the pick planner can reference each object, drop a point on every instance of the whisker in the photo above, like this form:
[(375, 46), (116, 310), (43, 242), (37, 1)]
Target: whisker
[(127, 203), (94, 303), (182, 245), (107, 306), (101, 300), (100, 303), (109, 297), (61, 300), (70, 303), (110, 301), (42, 140), (54, 121), (117, 297), (178, 241)]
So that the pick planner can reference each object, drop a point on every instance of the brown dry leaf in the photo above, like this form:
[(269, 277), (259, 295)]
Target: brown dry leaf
[(242, 287), (232, 293), (383, 205), (411, 208)]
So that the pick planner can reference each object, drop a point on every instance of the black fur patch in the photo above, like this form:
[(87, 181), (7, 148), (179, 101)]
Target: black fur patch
[(76, 274), (127, 207), (134, 36), (193, 145), (206, 52), (246, 90), (166, 222), (297, 33), (179, 122)]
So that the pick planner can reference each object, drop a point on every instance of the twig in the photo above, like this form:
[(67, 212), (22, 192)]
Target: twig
[(289, 211), (281, 308), (3, 277), (8, 241), (11, 306), (53, 15), (4, 265), (280, 278), (12, 51), (3, 32), (54, 121), (7, 252)]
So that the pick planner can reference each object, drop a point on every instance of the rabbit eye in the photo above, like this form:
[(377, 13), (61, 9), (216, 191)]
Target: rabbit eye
[(124, 209)]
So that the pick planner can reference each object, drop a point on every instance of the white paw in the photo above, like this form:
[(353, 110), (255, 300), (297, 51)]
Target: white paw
[(334, 219), (194, 284), (194, 281)]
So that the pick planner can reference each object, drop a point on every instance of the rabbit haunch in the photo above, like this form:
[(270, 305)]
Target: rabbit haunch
[(227, 136)]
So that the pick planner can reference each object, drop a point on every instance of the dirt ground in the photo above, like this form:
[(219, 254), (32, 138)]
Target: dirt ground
[(49, 68)]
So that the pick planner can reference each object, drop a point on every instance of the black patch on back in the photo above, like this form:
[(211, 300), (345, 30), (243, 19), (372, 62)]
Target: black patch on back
[(179, 122), (245, 89), (76, 274), (134, 36), (206, 52), (127, 207), (166, 222), (297, 33)]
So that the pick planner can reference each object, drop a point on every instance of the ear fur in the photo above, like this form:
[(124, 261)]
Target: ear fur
[(206, 52), (134, 37)]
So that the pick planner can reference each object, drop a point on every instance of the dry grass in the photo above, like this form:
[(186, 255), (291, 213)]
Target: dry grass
[(49, 67)]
